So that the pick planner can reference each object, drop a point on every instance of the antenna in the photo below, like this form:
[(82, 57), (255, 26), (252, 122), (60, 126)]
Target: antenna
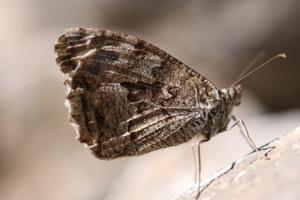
[(252, 63), (245, 74)]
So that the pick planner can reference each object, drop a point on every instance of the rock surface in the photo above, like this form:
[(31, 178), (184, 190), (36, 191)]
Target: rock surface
[(252, 177)]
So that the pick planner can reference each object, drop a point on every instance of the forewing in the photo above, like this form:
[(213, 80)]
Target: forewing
[(126, 96)]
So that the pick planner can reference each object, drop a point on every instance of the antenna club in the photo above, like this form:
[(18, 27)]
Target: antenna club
[(282, 55)]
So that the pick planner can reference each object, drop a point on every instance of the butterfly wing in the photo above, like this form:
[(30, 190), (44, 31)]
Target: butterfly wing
[(128, 97)]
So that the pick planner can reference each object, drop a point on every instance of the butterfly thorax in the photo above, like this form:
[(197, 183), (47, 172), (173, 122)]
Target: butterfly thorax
[(218, 116)]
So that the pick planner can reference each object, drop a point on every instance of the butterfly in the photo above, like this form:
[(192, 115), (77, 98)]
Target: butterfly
[(128, 97)]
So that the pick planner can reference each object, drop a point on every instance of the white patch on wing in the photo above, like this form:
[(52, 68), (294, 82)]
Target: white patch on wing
[(88, 53), (76, 127), (120, 61), (119, 48), (126, 46)]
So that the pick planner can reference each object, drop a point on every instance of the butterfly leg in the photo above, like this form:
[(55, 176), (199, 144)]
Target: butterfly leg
[(244, 131), (197, 166)]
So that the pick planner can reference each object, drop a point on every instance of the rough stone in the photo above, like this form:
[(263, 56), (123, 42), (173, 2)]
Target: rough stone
[(276, 177)]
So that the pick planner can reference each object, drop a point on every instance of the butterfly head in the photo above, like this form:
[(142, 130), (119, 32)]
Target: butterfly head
[(235, 91), (235, 94)]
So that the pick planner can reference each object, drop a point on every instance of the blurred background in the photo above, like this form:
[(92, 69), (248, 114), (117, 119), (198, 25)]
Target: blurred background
[(40, 158)]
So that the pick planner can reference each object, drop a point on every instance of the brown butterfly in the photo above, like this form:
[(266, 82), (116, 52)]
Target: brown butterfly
[(127, 97)]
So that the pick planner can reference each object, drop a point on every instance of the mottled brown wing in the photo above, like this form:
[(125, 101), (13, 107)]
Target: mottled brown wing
[(126, 96)]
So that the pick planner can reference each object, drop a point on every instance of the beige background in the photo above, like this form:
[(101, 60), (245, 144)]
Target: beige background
[(40, 158)]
